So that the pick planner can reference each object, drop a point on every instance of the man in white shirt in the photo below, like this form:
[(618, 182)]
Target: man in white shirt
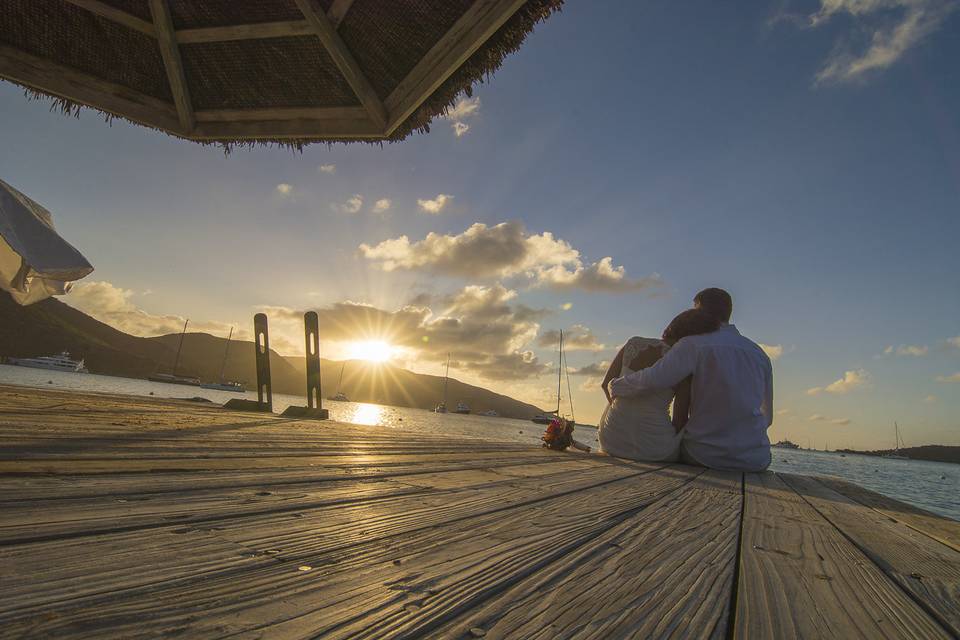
[(732, 395)]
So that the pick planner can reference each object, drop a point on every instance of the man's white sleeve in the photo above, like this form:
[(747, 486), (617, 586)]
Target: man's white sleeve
[(679, 363)]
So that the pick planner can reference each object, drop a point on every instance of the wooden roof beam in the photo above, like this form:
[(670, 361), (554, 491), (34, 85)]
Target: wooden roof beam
[(468, 34), (115, 15), (163, 23), (344, 60), (338, 11)]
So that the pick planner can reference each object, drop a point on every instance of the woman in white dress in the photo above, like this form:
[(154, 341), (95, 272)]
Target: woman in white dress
[(639, 427)]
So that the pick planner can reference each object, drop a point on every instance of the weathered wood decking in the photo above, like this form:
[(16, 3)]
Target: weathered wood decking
[(125, 517)]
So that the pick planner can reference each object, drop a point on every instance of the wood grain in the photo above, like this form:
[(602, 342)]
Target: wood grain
[(800, 578)]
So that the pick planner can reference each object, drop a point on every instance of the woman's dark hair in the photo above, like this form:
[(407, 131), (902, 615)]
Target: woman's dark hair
[(691, 322)]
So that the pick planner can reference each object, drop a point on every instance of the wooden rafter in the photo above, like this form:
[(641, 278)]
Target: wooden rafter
[(338, 11), (115, 15), (474, 27), (344, 60), (173, 64), (245, 32)]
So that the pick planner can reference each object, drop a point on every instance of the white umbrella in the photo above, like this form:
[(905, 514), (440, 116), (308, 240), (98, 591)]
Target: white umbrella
[(35, 262)]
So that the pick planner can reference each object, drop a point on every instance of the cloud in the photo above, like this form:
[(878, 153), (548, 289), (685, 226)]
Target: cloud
[(436, 205), (284, 189), (954, 342), (907, 350), (327, 168), (352, 205), (930, 399), (505, 250), (576, 338), (484, 330), (951, 378), (382, 205), (890, 27), (773, 351), (464, 108), (851, 380), (817, 418), (566, 306), (113, 305), (784, 412), (594, 369), (841, 421)]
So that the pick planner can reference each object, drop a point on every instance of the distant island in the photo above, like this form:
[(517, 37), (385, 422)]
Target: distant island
[(50, 326), (928, 452)]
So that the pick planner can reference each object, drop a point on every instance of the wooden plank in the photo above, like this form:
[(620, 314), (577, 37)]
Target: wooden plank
[(30, 520), (923, 567), (800, 578), (464, 38), (364, 129), (85, 89), (163, 22), (344, 60), (257, 31), (113, 14), (292, 113), (436, 573), (665, 572), (338, 11), (942, 529)]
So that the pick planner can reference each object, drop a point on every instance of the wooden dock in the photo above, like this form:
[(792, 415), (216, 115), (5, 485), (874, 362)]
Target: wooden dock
[(130, 518)]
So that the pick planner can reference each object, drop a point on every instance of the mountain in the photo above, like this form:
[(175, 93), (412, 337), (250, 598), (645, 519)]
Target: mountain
[(50, 326)]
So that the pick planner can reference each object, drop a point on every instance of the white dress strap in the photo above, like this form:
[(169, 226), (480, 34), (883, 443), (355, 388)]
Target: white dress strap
[(632, 349)]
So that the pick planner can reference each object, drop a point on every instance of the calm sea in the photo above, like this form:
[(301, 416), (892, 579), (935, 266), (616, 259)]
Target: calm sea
[(931, 485)]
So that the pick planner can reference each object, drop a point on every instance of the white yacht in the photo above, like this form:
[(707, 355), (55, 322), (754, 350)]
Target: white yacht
[(61, 362), (462, 408)]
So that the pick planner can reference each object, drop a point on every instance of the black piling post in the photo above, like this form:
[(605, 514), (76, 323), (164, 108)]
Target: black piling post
[(262, 342), (311, 336), (261, 345)]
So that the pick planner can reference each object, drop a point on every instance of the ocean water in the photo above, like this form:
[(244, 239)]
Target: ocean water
[(931, 485)]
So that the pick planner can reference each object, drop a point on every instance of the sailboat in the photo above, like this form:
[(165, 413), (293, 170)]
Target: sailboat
[(895, 454), (550, 416), (442, 407), (222, 385), (173, 378), (340, 396)]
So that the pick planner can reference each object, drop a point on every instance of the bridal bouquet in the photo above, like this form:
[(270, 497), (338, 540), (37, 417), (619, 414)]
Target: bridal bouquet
[(559, 436)]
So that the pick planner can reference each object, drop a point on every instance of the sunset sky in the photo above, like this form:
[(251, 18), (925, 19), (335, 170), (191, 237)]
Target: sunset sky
[(804, 156)]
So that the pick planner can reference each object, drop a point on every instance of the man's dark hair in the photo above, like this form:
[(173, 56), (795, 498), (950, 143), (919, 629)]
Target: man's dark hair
[(715, 301)]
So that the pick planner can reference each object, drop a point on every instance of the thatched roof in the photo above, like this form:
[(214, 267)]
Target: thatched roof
[(287, 71)]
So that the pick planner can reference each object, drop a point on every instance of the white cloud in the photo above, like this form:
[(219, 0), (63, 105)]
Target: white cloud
[(327, 168), (915, 350), (382, 205), (114, 306), (284, 189), (893, 27), (463, 109), (784, 412), (841, 421), (592, 369), (817, 418), (576, 338), (505, 250), (954, 342), (352, 205), (566, 306), (773, 351), (930, 399), (851, 380), (951, 378), (436, 205)]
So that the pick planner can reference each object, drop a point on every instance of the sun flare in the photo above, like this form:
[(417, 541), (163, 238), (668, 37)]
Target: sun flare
[(371, 350)]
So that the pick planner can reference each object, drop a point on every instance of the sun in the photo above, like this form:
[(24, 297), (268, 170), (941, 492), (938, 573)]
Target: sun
[(371, 350)]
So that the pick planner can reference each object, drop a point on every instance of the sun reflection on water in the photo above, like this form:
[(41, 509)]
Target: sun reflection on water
[(368, 414)]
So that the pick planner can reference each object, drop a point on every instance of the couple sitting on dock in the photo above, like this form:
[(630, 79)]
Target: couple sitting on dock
[(721, 385)]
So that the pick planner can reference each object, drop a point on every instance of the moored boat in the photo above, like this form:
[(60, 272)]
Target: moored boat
[(61, 362)]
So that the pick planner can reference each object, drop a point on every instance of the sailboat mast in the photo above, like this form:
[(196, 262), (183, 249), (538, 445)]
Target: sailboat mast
[(446, 379), (180, 346), (226, 351), (559, 373), (340, 381)]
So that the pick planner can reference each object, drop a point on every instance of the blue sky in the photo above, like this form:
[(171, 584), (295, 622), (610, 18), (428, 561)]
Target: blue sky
[(768, 150)]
